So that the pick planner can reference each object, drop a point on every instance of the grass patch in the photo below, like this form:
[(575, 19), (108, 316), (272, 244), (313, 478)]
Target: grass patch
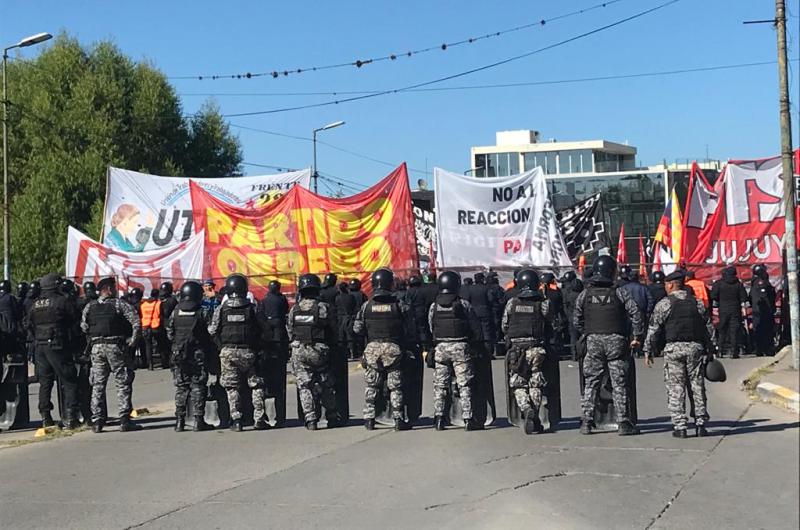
[(753, 379)]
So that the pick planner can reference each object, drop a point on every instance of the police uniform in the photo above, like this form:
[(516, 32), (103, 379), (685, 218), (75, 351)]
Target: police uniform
[(237, 330), (762, 300), (311, 329), (730, 296), (112, 326), (684, 323)]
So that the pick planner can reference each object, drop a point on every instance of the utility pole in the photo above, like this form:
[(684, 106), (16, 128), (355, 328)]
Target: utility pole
[(788, 182)]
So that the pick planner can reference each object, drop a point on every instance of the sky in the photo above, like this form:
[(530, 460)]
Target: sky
[(727, 114)]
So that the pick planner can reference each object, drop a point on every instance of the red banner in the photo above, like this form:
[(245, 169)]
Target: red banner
[(304, 232)]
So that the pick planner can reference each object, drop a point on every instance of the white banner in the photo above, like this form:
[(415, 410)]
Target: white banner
[(145, 212), (501, 221), (88, 260)]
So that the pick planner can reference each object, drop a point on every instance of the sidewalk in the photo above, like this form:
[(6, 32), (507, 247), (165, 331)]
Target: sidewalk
[(777, 382)]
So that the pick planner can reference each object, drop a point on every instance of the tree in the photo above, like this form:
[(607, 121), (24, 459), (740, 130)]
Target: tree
[(73, 112)]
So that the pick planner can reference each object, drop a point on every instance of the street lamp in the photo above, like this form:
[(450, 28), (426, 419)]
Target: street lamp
[(314, 141), (24, 43)]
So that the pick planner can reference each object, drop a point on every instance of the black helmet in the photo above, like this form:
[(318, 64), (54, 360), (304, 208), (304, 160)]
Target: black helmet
[(527, 281), (36, 289), (330, 280), (625, 272), (22, 289), (415, 281), (109, 282), (760, 271), (192, 291), (355, 284), (468, 281), (50, 282), (67, 286), (135, 294), (89, 286), (5, 286), (166, 289), (236, 286), (274, 287), (729, 272), (309, 285), (548, 277), (569, 276), (480, 278), (492, 278), (715, 371), (658, 277), (382, 280), (605, 267), (449, 282)]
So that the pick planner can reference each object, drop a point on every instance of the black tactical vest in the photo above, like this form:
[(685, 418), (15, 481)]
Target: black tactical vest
[(48, 318), (384, 322), (184, 320), (237, 325), (603, 312), (684, 323), (308, 326), (526, 321), (451, 323), (105, 321), (729, 300)]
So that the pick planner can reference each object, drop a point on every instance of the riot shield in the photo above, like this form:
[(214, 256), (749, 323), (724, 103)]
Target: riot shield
[(413, 371), (550, 409), (14, 410), (274, 374), (605, 416), (340, 371), (484, 410)]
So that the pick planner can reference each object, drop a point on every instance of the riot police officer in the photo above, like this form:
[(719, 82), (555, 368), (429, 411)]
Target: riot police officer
[(237, 329), (603, 312), (527, 326), (359, 297), (273, 310), (571, 287), (312, 331), (391, 331), (192, 346), (112, 326), (418, 301), (480, 297), (730, 296), (168, 304), (657, 290), (687, 330), (452, 322), (51, 319)]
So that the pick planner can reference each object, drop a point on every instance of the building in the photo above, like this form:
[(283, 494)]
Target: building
[(575, 170)]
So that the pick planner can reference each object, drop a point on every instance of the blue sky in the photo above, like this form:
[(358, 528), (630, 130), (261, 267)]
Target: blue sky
[(731, 113)]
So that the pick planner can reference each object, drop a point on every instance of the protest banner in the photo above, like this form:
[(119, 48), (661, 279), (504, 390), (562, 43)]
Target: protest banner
[(146, 212), (499, 221), (89, 260), (304, 232)]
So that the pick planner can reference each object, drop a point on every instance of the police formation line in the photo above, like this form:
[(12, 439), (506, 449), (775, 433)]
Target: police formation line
[(245, 345)]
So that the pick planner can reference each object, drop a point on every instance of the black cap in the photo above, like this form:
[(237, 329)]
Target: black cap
[(106, 282), (677, 276)]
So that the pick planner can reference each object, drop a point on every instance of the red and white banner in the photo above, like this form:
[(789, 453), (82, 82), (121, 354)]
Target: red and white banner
[(701, 203), (89, 260)]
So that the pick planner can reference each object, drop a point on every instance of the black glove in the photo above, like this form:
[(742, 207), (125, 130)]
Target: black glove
[(430, 360)]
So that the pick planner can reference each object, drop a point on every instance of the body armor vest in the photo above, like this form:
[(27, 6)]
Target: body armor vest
[(105, 321), (451, 323), (384, 322), (603, 312), (237, 325), (526, 321), (684, 323), (308, 327)]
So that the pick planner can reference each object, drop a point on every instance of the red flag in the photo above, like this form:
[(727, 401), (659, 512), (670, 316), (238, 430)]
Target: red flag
[(622, 254), (702, 200), (581, 264), (432, 257), (656, 256), (642, 259)]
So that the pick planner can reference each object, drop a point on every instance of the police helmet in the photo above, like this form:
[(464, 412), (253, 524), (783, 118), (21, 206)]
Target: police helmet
[(415, 281), (22, 289), (309, 285), (236, 286), (5, 286), (50, 282), (625, 272), (449, 282), (192, 291), (274, 287), (382, 280), (605, 267), (569, 276), (329, 281), (527, 281), (658, 277), (715, 372), (760, 271), (67, 286), (355, 284), (135, 294), (548, 277), (480, 278), (166, 289)]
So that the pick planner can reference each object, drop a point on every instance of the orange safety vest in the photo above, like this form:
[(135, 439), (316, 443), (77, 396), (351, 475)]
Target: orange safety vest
[(150, 312), (700, 291)]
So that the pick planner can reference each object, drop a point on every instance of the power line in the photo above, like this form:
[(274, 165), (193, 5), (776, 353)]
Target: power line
[(359, 63), (501, 85), (460, 74), (267, 166)]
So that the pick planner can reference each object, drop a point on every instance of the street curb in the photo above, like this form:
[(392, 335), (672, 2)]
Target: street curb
[(778, 395), (754, 377)]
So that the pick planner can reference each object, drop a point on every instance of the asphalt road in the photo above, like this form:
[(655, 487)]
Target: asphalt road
[(745, 475)]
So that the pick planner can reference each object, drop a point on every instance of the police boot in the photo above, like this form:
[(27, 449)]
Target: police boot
[(200, 424), (311, 425), (532, 423), (126, 425), (236, 425), (700, 431), (369, 424), (180, 424), (679, 433), (626, 428), (70, 423), (401, 425), (261, 425), (47, 419), (586, 427), (438, 423), (472, 425), (97, 427), (334, 422)]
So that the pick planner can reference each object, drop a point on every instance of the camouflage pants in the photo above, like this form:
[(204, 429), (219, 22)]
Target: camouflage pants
[(683, 367), (189, 379), (528, 392), (613, 351), (453, 357), (111, 359), (383, 360), (238, 364), (312, 373)]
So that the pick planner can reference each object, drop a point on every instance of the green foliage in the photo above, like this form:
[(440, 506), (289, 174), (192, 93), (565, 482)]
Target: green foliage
[(73, 112)]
